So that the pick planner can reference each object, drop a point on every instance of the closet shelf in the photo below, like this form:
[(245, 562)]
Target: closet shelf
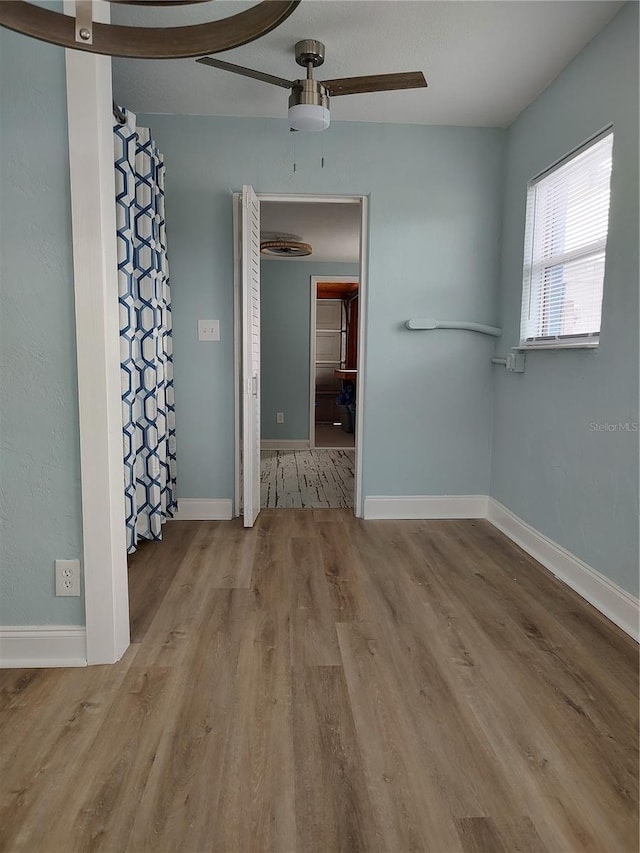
[(349, 375)]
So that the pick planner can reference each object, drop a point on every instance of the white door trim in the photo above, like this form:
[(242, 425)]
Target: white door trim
[(104, 556), (251, 410), (355, 279), (363, 201), (363, 296), (312, 199), (237, 352), (312, 363)]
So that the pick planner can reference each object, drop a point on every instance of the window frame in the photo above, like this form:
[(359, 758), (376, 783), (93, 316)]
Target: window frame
[(536, 269)]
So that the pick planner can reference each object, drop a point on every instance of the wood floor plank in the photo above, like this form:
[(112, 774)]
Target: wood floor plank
[(44, 753), (151, 571), (564, 683), (287, 523), (233, 551), (394, 600), (479, 835), (477, 773), (176, 809), (256, 806), (520, 835), (533, 746), (504, 633), (324, 683), (176, 619), (271, 589), (349, 602), (333, 808), (313, 636), (411, 814), (588, 688), (466, 772), (617, 655), (330, 514), (100, 807)]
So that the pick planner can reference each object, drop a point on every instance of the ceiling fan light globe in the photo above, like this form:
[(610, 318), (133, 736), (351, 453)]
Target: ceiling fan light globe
[(309, 117)]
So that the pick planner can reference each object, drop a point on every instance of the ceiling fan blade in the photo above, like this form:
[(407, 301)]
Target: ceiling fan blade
[(246, 72), (375, 83)]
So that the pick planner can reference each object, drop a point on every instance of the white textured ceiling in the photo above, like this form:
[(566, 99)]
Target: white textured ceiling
[(485, 60), (332, 229)]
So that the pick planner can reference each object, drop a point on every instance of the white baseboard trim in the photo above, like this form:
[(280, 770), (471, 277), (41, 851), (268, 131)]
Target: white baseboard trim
[(203, 509), (425, 506), (35, 646), (284, 444), (615, 603)]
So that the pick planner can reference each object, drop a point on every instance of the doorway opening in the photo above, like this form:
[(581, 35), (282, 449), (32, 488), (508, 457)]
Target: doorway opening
[(296, 396), (334, 360)]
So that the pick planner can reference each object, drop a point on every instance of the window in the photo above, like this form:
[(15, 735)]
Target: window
[(565, 249)]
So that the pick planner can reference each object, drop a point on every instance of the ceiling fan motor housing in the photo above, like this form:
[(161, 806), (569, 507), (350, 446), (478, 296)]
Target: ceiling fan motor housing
[(309, 52), (309, 92)]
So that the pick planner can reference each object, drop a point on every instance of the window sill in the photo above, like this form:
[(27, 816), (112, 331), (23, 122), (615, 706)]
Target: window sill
[(593, 345)]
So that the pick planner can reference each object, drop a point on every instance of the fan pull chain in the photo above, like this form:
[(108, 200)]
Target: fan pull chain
[(322, 151), (295, 165)]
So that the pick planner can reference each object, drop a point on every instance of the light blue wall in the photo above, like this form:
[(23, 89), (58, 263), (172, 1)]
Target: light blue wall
[(285, 327), (39, 440), (435, 220), (578, 487), (435, 204)]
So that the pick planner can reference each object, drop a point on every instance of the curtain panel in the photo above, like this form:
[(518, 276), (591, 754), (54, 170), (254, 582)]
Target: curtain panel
[(146, 352)]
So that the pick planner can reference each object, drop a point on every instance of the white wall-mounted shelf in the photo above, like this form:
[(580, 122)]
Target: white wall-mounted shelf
[(428, 324)]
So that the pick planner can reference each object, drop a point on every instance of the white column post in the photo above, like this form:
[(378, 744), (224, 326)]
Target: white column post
[(89, 107)]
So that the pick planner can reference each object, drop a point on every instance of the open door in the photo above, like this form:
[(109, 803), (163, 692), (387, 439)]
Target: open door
[(250, 287), (246, 249)]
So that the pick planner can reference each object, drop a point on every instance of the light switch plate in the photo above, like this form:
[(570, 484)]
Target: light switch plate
[(208, 330)]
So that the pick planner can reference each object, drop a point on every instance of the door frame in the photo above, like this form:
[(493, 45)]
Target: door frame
[(353, 279), (251, 408), (363, 201)]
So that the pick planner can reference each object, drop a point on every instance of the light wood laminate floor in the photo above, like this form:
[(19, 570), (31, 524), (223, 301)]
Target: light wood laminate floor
[(319, 683), (307, 479)]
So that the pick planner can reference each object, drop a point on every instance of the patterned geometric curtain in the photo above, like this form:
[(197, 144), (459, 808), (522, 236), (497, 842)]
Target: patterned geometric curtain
[(148, 409)]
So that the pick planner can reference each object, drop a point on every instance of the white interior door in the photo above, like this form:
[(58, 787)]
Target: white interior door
[(250, 355)]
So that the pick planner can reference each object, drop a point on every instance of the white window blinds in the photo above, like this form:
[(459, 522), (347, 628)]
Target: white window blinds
[(565, 248)]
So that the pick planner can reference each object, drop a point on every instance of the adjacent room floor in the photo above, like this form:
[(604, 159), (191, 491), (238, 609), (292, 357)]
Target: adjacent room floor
[(320, 684), (330, 435), (307, 479)]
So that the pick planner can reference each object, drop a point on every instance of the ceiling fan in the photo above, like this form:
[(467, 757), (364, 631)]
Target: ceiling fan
[(309, 99)]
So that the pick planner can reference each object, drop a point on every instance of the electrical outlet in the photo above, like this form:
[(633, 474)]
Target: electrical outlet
[(279, 417), (68, 577), (516, 362)]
